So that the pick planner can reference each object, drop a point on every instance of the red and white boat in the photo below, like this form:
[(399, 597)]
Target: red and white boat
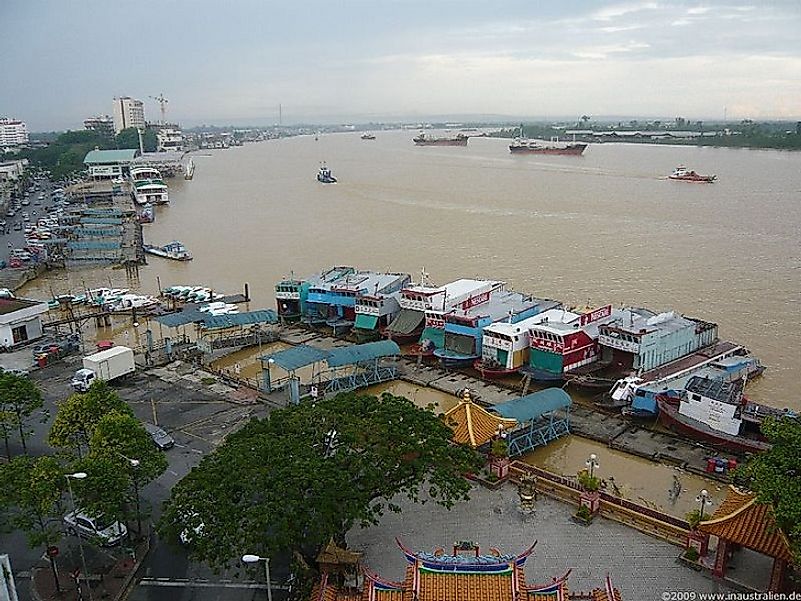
[(681, 173), (712, 410)]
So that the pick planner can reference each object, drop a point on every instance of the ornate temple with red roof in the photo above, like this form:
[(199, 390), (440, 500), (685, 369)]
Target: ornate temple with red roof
[(465, 575), (740, 521)]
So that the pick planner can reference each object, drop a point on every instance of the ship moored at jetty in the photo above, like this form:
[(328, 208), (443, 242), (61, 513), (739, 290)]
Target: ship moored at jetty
[(638, 341), (148, 187), (375, 310), (291, 293), (173, 250), (639, 395), (681, 173), (464, 329), (423, 139), (714, 410)]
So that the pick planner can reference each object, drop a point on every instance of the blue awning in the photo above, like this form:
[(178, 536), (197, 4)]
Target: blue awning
[(349, 355), (296, 357), (214, 322), (182, 318), (366, 322), (533, 406)]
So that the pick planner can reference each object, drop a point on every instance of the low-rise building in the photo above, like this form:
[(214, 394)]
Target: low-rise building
[(103, 125), (109, 164), (20, 320)]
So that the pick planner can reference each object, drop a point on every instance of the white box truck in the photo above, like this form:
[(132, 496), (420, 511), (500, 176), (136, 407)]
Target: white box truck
[(107, 365)]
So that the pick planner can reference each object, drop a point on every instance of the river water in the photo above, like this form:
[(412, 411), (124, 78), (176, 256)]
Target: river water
[(604, 227)]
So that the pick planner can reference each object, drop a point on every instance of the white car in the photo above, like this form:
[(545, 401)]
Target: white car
[(106, 531)]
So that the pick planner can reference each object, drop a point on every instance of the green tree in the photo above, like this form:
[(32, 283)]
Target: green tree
[(121, 440), (129, 138), (77, 416), (775, 475), (306, 473), (31, 492), (19, 399)]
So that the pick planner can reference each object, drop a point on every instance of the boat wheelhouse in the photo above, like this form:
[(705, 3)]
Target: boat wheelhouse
[(640, 395), (464, 328), (711, 410), (291, 295), (334, 302), (148, 187), (423, 307), (375, 311), (565, 341)]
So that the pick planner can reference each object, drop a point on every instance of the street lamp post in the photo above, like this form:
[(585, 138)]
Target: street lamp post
[(78, 476), (592, 463), (134, 463), (255, 559), (704, 500)]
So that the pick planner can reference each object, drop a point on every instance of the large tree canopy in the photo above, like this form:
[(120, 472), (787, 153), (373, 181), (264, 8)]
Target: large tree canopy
[(19, 400), (775, 475), (309, 472)]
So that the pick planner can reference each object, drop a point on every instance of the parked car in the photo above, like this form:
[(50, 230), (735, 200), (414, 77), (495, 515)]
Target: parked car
[(161, 439), (106, 531)]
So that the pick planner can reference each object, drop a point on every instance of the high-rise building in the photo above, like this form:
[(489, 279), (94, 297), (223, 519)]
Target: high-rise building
[(102, 124), (128, 112), (13, 132)]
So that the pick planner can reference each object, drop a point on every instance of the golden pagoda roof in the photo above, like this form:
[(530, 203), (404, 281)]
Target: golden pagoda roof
[(474, 425), (741, 520), (333, 554)]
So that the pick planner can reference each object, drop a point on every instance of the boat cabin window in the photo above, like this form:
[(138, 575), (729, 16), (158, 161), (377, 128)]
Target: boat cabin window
[(695, 397)]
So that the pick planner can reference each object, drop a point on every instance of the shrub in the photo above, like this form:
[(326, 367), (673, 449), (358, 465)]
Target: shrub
[(589, 483), (500, 448), (691, 554), (583, 512), (693, 518)]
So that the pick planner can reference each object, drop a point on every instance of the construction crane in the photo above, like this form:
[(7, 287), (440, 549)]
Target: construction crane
[(163, 104)]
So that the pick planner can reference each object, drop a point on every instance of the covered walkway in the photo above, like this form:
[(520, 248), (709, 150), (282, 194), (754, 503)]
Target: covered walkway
[(541, 416)]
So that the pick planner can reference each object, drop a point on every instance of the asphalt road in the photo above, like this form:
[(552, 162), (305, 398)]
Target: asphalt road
[(17, 237), (198, 420)]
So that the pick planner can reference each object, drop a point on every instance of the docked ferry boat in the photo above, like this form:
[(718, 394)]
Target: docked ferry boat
[(148, 187), (639, 396), (374, 312), (637, 341), (712, 410), (291, 295), (173, 250), (424, 139), (464, 329), (681, 173)]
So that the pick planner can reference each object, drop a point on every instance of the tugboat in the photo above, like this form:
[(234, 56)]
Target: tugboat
[(324, 175), (174, 250), (681, 173)]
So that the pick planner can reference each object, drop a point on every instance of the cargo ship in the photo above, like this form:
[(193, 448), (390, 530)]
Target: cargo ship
[(525, 146), (426, 140)]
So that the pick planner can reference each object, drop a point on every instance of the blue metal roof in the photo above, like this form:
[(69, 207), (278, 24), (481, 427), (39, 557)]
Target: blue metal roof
[(174, 320), (296, 357), (533, 406), (213, 322), (348, 355)]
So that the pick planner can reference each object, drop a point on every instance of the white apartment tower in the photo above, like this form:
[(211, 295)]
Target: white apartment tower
[(13, 132), (128, 112)]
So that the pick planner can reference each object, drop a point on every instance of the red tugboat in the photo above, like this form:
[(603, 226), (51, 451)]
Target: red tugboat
[(682, 174), (425, 140)]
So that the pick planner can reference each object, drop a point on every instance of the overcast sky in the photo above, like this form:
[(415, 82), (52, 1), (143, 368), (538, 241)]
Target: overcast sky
[(234, 61)]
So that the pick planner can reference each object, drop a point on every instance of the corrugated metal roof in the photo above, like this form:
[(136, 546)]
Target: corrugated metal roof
[(94, 157), (533, 406), (174, 320), (348, 355), (93, 245), (296, 357), (213, 322)]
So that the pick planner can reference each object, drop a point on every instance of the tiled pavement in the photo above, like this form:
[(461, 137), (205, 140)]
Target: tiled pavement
[(642, 567)]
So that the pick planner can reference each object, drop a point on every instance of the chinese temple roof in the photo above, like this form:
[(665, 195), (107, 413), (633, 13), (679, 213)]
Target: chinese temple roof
[(474, 425), (741, 520), (333, 554), (458, 577)]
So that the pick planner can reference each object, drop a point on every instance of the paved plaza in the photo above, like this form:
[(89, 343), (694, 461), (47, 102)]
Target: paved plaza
[(642, 567)]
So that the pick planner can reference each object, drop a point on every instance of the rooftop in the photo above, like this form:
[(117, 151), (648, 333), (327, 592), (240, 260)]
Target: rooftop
[(370, 282), (716, 389), (637, 320), (10, 305), (99, 157), (474, 425), (501, 304)]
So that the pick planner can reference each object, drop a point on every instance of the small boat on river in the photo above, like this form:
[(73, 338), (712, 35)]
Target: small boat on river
[(368, 136), (173, 250), (324, 176), (682, 174)]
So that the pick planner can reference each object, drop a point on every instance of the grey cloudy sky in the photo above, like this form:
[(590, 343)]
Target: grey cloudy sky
[(356, 60)]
